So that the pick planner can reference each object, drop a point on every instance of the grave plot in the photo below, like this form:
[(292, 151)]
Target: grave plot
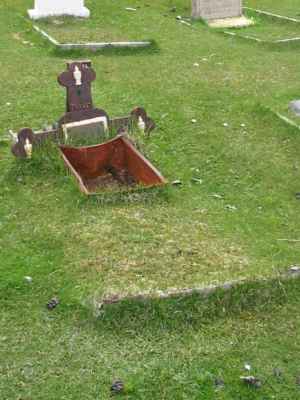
[(268, 28), (82, 123), (110, 22), (110, 166), (113, 164), (284, 8)]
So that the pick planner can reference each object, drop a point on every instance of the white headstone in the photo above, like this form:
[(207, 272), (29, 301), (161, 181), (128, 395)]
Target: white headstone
[(215, 9), (48, 8)]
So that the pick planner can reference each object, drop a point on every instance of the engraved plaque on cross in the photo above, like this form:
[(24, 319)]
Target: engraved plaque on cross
[(77, 80)]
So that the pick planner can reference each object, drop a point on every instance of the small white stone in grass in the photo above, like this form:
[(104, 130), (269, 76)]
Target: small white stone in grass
[(8, 104), (197, 180), (179, 17), (243, 125), (177, 182), (193, 120), (196, 65), (295, 268), (247, 367), (225, 124), (185, 23), (28, 279), (217, 196), (230, 207)]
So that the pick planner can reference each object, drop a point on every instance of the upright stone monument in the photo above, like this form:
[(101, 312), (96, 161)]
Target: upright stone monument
[(220, 13), (48, 8), (216, 9)]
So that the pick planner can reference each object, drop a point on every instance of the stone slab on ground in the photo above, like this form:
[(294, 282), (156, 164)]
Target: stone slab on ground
[(235, 22)]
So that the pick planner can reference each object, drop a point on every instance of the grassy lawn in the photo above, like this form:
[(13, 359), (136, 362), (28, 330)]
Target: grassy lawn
[(289, 8), (208, 231), (239, 170), (174, 350), (126, 25), (269, 28)]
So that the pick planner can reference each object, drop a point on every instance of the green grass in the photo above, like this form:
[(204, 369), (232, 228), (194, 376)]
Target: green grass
[(269, 29), (101, 27), (288, 8), (178, 237), (223, 225), (170, 350)]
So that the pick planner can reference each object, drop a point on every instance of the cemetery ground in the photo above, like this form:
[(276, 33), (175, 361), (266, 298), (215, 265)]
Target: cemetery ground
[(234, 217)]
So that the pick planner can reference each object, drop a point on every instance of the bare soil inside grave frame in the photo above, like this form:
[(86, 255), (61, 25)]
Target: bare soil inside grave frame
[(109, 166)]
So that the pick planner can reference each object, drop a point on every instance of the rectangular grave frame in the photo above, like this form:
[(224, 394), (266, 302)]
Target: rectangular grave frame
[(142, 170)]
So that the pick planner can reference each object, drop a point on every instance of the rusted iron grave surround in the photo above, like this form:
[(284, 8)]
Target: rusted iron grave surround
[(116, 159)]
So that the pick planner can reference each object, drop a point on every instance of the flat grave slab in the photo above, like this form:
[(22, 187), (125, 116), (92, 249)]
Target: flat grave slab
[(234, 22)]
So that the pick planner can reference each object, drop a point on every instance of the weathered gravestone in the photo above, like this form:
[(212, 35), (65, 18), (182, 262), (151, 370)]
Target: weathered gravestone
[(48, 8), (216, 9)]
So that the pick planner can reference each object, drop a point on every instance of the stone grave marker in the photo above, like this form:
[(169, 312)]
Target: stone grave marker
[(216, 9), (49, 8)]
